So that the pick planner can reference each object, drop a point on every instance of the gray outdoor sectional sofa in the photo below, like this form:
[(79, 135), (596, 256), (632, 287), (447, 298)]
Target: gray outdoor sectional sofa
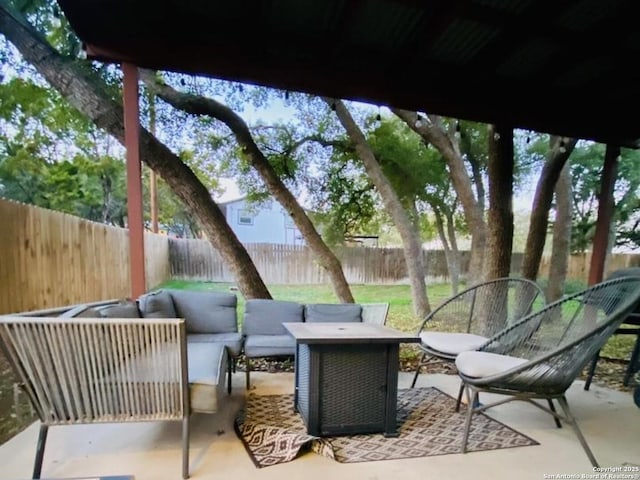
[(161, 357)]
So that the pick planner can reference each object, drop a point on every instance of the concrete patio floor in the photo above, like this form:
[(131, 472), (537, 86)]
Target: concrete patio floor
[(152, 451)]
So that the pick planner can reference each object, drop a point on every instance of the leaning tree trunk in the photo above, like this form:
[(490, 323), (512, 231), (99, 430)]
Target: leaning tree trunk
[(559, 263), (430, 130), (560, 149), (87, 92), (410, 237), (198, 105)]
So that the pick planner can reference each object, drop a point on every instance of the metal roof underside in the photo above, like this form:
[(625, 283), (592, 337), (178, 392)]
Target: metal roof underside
[(562, 67)]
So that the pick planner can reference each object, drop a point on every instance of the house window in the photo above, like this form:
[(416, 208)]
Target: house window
[(245, 217)]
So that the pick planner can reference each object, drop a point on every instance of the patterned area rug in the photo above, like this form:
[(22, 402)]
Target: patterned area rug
[(272, 433)]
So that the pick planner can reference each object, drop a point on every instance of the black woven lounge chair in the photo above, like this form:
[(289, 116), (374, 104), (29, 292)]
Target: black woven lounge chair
[(540, 356)]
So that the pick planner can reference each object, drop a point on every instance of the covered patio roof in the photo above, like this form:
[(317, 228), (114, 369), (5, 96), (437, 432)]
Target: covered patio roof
[(562, 67)]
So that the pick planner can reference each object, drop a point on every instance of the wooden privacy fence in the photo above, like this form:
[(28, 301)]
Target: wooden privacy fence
[(294, 264), (50, 259)]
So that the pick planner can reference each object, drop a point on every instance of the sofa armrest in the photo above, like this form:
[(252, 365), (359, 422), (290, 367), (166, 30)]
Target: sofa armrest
[(375, 313)]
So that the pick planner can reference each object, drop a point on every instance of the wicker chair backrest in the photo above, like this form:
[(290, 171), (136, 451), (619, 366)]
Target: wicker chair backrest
[(486, 308)]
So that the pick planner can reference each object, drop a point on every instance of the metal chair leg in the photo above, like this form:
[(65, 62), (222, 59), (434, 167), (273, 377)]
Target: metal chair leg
[(592, 370), (459, 400), (552, 407), (472, 399), (247, 367), (634, 363), (415, 377), (229, 371), (42, 439), (571, 419), (185, 446)]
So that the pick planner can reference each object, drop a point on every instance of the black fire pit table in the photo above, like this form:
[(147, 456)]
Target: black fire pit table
[(346, 376)]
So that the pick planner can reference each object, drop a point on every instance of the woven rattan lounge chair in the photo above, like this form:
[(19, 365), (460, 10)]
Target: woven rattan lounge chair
[(467, 320), (112, 370), (540, 356)]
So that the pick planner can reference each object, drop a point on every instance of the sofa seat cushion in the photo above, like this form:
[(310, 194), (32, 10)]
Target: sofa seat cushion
[(333, 312), (485, 364), (452, 343), (206, 312), (207, 366), (269, 345), (157, 305), (233, 341)]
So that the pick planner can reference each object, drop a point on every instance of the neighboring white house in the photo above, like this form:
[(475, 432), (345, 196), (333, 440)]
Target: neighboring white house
[(266, 222)]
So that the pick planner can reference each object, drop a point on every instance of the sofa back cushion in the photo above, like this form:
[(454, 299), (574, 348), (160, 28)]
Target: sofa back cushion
[(265, 317), (157, 305), (206, 312), (333, 312)]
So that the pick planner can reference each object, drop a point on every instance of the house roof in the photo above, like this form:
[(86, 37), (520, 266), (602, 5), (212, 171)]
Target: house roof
[(562, 67)]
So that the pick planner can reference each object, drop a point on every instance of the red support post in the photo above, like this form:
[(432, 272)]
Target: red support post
[(134, 180)]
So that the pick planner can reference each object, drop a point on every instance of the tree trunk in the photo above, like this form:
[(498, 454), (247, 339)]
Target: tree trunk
[(500, 215), (477, 180), (410, 237), (198, 105), (600, 249), (430, 130), (450, 255), (559, 263), (497, 261), (559, 151), (454, 269), (87, 92)]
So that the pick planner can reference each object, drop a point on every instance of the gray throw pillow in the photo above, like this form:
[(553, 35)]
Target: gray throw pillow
[(333, 312), (157, 305)]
